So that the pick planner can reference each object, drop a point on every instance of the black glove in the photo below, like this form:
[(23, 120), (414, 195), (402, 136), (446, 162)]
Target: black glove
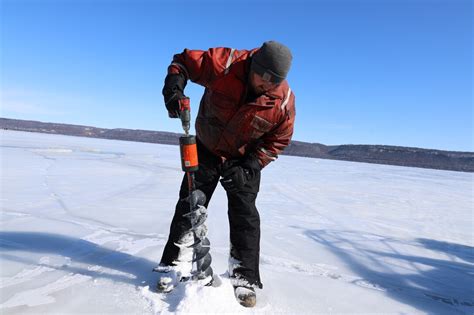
[(173, 91), (237, 173)]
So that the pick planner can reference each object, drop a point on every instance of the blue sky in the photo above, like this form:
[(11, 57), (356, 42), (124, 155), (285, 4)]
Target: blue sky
[(364, 72)]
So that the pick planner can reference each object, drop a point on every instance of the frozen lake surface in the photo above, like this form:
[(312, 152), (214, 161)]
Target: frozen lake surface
[(84, 221)]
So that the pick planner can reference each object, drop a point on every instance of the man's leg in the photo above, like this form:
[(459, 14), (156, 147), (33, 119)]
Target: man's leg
[(206, 179), (244, 223)]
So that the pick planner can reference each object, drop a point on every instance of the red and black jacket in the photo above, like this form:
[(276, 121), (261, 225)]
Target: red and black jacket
[(230, 123)]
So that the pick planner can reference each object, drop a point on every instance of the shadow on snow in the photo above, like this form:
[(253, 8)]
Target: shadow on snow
[(133, 270), (409, 278)]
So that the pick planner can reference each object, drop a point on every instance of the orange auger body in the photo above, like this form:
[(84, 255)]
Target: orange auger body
[(189, 156), (187, 143)]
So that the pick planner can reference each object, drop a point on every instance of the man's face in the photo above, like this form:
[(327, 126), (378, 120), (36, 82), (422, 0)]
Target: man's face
[(259, 85)]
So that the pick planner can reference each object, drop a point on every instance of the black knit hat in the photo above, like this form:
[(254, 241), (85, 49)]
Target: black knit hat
[(272, 61)]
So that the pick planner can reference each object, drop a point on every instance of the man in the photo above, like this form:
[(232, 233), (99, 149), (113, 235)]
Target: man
[(245, 120)]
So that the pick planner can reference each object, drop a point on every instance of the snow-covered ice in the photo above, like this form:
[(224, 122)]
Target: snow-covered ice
[(84, 221)]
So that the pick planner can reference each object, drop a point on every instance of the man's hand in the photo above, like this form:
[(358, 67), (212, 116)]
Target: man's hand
[(234, 178), (172, 103), (173, 91), (237, 173)]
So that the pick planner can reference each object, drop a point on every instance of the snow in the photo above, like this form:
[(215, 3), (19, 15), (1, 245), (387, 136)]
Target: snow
[(84, 221)]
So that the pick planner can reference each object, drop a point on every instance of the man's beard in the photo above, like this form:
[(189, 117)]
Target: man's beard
[(256, 91)]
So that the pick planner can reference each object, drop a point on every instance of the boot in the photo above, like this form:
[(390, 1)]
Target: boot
[(168, 278), (245, 295)]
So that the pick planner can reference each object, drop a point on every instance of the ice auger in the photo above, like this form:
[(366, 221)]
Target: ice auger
[(194, 244)]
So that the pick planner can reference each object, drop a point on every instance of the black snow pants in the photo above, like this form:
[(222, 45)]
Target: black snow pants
[(244, 219)]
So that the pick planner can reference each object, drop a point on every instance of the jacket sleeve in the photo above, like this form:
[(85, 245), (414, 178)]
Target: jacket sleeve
[(201, 66), (275, 141)]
